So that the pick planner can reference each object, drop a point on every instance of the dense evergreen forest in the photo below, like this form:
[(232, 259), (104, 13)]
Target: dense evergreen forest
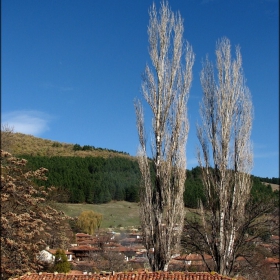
[(100, 180), (90, 179)]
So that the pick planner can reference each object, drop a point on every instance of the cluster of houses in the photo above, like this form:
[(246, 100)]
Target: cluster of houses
[(112, 251), (111, 247)]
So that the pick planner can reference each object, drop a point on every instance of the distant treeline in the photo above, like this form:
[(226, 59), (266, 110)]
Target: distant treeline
[(100, 180), (78, 147), (272, 180)]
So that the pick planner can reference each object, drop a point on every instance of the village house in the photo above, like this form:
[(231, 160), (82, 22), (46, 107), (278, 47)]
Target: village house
[(48, 255), (273, 263), (83, 252), (194, 261)]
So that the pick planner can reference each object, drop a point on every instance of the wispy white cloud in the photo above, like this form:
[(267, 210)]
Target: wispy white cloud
[(266, 155), (27, 122), (263, 151), (259, 146)]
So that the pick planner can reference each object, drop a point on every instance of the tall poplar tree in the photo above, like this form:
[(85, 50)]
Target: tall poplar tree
[(226, 156), (165, 88)]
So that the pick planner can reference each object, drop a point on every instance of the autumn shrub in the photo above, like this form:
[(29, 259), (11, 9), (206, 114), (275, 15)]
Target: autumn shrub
[(27, 221), (89, 221)]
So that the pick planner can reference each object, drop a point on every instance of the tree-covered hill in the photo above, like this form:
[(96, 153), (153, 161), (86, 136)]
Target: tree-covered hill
[(96, 175)]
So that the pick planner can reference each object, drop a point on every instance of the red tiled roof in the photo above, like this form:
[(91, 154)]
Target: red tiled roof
[(128, 276), (84, 263), (129, 239), (123, 249), (84, 248), (138, 260), (272, 260), (268, 246), (192, 257), (112, 244), (83, 234), (275, 237), (240, 258), (88, 241), (75, 272), (53, 251)]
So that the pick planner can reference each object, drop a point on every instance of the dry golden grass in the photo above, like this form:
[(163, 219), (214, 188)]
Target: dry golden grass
[(23, 144), (273, 186)]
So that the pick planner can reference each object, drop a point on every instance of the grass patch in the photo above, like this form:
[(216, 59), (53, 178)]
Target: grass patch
[(115, 213)]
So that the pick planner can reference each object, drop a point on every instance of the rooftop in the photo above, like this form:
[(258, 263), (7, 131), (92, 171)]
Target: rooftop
[(160, 275)]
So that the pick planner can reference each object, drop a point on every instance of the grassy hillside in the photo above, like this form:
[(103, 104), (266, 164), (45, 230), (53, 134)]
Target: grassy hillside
[(23, 144), (274, 187), (115, 213)]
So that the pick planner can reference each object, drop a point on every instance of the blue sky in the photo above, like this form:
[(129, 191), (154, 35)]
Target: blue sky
[(71, 69)]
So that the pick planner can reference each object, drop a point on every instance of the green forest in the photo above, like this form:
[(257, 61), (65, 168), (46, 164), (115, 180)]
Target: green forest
[(101, 180)]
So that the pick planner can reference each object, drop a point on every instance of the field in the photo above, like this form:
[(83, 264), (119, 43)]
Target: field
[(273, 186), (115, 213)]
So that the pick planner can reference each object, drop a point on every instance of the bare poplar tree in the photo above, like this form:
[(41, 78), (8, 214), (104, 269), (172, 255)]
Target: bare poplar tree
[(226, 156), (165, 87)]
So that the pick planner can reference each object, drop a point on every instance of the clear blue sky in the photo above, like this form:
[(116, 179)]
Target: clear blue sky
[(72, 68)]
